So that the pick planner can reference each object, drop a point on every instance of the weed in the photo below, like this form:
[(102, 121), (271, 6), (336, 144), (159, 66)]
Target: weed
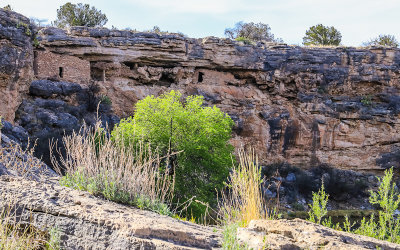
[(54, 239), (366, 100), (243, 201), (28, 31), (245, 40), (230, 240), (318, 207), (386, 226), (14, 235), (105, 100), (96, 164)]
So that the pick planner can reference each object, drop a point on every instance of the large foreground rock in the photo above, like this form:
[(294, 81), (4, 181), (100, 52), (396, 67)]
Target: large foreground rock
[(301, 234), (87, 222)]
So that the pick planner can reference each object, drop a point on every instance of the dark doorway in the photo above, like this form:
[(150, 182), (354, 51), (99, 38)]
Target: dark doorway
[(61, 72), (200, 78)]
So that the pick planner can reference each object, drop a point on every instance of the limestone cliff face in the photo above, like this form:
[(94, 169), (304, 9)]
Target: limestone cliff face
[(16, 61), (306, 106)]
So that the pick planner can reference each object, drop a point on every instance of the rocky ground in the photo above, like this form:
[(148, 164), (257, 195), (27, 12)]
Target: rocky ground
[(300, 234), (87, 222)]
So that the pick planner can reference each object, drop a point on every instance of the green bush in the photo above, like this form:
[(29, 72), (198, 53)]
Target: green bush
[(386, 226), (79, 14), (322, 35), (318, 207), (200, 134), (383, 40)]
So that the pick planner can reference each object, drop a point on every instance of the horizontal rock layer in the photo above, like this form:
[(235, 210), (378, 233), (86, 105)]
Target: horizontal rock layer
[(86, 222), (307, 106)]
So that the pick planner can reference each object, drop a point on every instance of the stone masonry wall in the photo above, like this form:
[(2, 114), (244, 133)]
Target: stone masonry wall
[(64, 67)]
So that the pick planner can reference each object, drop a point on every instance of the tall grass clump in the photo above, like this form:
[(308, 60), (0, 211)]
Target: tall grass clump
[(14, 235), (243, 199), (94, 163)]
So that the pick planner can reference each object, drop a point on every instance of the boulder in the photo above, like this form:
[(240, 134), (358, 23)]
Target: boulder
[(87, 222), (301, 234)]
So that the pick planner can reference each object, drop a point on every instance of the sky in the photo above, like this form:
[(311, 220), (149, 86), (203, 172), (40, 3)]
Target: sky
[(357, 20)]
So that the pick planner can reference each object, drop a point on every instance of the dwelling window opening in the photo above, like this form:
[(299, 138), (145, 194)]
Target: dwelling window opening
[(200, 78), (61, 72)]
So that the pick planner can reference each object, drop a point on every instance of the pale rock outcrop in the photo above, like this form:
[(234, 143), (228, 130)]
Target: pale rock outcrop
[(87, 222), (301, 234)]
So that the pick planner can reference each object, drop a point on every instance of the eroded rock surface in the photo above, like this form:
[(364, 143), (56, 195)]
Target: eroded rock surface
[(304, 106), (301, 234), (16, 57), (86, 222)]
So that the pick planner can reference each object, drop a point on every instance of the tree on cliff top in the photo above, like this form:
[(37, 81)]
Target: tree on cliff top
[(383, 40), (79, 14), (251, 31), (322, 35)]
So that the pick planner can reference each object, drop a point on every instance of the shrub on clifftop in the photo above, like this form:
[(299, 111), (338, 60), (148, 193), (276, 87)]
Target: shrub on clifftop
[(79, 14), (251, 32), (322, 35), (383, 40), (200, 135)]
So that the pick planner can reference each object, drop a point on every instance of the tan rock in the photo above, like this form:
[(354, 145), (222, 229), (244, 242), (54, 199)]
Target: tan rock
[(86, 222), (301, 234)]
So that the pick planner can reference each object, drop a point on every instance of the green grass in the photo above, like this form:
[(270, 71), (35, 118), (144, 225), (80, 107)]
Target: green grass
[(113, 192), (230, 240)]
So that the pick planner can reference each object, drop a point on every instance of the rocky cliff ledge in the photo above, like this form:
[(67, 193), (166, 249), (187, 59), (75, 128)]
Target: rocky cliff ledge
[(307, 106)]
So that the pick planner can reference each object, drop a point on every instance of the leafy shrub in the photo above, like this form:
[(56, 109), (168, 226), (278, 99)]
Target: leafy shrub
[(387, 198), (105, 100), (244, 40), (93, 163), (230, 240), (383, 40), (387, 224), (322, 35), (200, 135), (318, 207), (8, 7), (253, 32), (79, 14)]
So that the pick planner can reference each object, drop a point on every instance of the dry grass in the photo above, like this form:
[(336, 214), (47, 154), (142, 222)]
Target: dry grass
[(22, 162), (14, 235), (93, 162), (244, 201)]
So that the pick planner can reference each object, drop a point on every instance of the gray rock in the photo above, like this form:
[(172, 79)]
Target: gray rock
[(291, 177), (46, 88), (87, 222)]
